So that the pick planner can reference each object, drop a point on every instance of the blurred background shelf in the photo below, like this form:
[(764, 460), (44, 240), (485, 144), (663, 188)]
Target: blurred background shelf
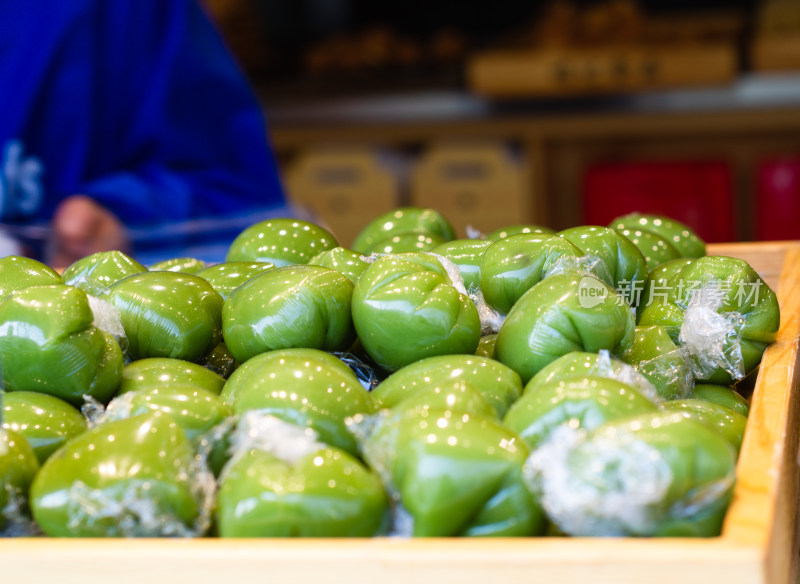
[(747, 129), (661, 105)]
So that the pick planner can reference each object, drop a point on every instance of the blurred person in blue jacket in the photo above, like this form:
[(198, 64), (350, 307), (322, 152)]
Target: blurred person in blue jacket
[(126, 124)]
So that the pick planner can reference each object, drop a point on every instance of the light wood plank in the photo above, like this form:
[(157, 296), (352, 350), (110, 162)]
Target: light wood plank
[(382, 560), (765, 503)]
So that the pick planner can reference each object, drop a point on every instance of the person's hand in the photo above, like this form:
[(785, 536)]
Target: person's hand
[(81, 227)]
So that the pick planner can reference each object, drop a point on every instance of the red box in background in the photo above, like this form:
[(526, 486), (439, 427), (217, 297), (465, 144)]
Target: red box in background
[(698, 193), (778, 199)]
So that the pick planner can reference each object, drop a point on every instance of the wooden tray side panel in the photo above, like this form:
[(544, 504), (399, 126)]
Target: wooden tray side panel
[(387, 561), (765, 503), (782, 549)]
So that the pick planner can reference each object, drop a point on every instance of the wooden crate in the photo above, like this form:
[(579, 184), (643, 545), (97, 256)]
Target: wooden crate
[(581, 71), (758, 543)]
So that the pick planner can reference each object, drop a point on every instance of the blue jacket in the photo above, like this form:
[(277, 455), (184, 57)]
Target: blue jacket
[(138, 104)]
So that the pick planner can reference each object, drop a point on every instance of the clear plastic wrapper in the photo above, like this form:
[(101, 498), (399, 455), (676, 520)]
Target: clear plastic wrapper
[(601, 364), (14, 518), (137, 477), (260, 431), (194, 409), (491, 319), (370, 258), (587, 264), (653, 475), (580, 504), (614, 369), (375, 449), (107, 319), (712, 339), (722, 311), (368, 374), (135, 513), (93, 410), (670, 370), (452, 272), (474, 233), (282, 481), (580, 402)]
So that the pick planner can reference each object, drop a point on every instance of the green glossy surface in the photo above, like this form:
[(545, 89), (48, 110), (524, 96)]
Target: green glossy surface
[(405, 308), (46, 422), (281, 242), (95, 274), (194, 409), (622, 259), (580, 364), (486, 346), (182, 265), (586, 402), (722, 419), (345, 261), (656, 285), (455, 395), (513, 265), (500, 385), (48, 344), (17, 272), (18, 467), (326, 493), (689, 465), (678, 234), (654, 247), (724, 396), (456, 473), (406, 242), (404, 220), (168, 314), (99, 483), (293, 306), (558, 316), (504, 232), (744, 296), (161, 372), (467, 255), (657, 357), (305, 387), (228, 276)]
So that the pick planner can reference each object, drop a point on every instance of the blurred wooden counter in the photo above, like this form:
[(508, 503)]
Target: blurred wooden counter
[(556, 139)]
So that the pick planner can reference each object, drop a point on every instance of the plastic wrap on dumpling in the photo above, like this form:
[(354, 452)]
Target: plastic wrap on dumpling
[(136, 477), (712, 339), (658, 474), (281, 481), (491, 319), (453, 473)]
